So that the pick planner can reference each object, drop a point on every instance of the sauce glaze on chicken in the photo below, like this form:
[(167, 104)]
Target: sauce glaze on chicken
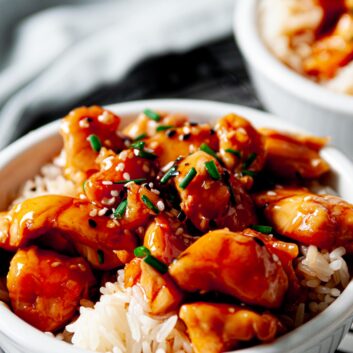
[(208, 221)]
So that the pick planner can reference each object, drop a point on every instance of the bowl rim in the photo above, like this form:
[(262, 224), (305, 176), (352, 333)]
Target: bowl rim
[(335, 315), (253, 48)]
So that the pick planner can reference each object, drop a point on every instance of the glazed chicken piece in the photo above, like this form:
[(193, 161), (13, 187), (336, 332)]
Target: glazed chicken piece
[(181, 141), (331, 51), (145, 125), (286, 252), (240, 145), (77, 128), (209, 198), (45, 288), (234, 264), (106, 187), (322, 220), (160, 291), (217, 328), (292, 156), (166, 238), (80, 222)]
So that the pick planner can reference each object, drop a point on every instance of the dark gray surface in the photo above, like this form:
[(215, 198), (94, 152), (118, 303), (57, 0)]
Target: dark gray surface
[(215, 71)]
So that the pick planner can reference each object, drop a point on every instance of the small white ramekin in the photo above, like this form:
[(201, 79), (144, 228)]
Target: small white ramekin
[(23, 159), (288, 94)]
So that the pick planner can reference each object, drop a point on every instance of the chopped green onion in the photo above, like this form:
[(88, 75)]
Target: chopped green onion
[(236, 153), (140, 137), (141, 251), (144, 154), (120, 210), (206, 148), (152, 115), (156, 264), (248, 172), (169, 174), (188, 177), (137, 181), (84, 185), (95, 142), (100, 255), (138, 144), (212, 170), (149, 204), (262, 229), (163, 127), (249, 160)]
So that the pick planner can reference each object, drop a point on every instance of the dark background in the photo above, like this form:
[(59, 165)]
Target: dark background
[(214, 71)]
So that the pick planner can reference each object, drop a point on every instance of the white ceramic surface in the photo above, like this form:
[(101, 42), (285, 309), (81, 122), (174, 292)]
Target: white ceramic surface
[(23, 159), (286, 93)]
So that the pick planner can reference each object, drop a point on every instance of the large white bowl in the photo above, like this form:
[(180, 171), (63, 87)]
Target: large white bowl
[(24, 158), (286, 93)]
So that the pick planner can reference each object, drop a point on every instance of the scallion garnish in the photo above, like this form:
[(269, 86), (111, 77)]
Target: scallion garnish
[(136, 181), (84, 185), (249, 160), (140, 137), (248, 172), (152, 114), (262, 229), (144, 154), (149, 204), (156, 264), (206, 148), (236, 153), (188, 177), (163, 127), (138, 144), (169, 174), (120, 210), (95, 142), (100, 255), (141, 251), (212, 170)]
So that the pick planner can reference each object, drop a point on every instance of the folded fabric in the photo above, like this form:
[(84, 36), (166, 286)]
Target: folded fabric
[(67, 50)]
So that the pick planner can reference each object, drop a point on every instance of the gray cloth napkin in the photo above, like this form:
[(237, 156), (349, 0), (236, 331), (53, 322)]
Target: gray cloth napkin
[(55, 51)]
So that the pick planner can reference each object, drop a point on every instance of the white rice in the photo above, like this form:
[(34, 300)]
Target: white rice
[(119, 323), (287, 27), (50, 180), (325, 274)]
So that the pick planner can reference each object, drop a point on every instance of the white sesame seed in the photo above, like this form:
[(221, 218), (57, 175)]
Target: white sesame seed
[(275, 258), (123, 155), (82, 196), (107, 163), (108, 202), (167, 166), (106, 118), (56, 264), (160, 205), (93, 212), (107, 182), (179, 231), (155, 191), (126, 176), (129, 184), (150, 185), (186, 130), (120, 167), (114, 193), (83, 123), (102, 211), (82, 267)]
